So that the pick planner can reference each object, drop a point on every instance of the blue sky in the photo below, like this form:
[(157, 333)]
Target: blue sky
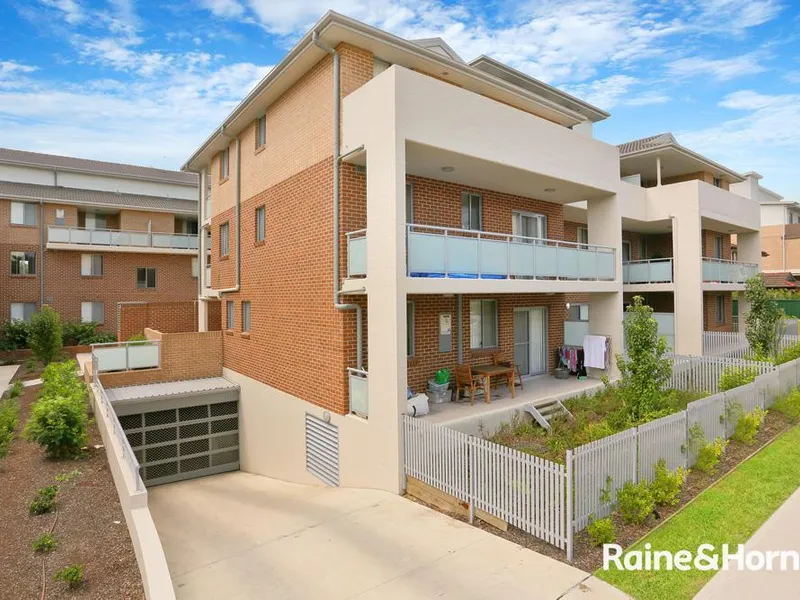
[(146, 82)]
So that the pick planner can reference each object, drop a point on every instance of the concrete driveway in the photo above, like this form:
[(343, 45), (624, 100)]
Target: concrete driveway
[(241, 536)]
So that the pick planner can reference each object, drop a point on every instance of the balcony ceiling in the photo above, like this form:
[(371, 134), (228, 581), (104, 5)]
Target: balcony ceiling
[(426, 161), (673, 163), (722, 227)]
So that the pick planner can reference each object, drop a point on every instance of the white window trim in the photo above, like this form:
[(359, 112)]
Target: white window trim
[(88, 308), (145, 286), (411, 314), (496, 343), (472, 196)]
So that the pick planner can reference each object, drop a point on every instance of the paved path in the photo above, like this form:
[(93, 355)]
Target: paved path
[(780, 532), (6, 373), (243, 536)]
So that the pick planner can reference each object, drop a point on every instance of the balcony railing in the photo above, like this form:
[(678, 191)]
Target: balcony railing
[(126, 356), (359, 392), (114, 237), (718, 270), (440, 252), (647, 271)]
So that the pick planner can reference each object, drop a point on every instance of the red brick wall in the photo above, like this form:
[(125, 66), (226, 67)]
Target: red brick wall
[(166, 317), (708, 243), (427, 359), (710, 312)]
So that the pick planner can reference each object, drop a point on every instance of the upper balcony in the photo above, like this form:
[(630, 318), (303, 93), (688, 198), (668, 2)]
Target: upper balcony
[(114, 240), (466, 260), (718, 270)]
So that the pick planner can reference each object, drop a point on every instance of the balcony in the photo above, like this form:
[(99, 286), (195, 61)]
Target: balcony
[(80, 238), (438, 253), (718, 270), (647, 271), (126, 356)]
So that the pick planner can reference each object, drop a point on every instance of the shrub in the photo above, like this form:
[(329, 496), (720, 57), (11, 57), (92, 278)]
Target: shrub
[(15, 391), (601, 531), (666, 487), (9, 414), (635, 502), (596, 431), (748, 425), (764, 320), (45, 500), (46, 335), (138, 337), (13, 335), (44, 543), (709, 455), (789, 405), (646, 371), (71, 575), (85, 334), (58, 419), (788, 354), (733, 377)]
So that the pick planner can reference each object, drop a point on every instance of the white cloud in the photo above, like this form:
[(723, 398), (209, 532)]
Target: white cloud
[(792, 76), (14, 74), (73, 12), (224, 8), (749, 100), (721, 69), (647, 98), (737, 15), (616, 90)]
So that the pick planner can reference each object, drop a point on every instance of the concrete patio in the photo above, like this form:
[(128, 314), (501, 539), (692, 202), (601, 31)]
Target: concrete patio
[(484, 418)]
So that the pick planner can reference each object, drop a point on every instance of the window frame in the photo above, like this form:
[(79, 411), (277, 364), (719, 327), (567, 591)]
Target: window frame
[(627, 243), (23, 305), (718, 246), (28, 208), (230, 315), (470, 197), (93, 256), (224, 164), (225, 248), (31, 262), (720, 306), (261, 132), (581, 243), (195, 266), (146, 278), (717, 182), (579, 306), (246, 316), (411, 313), (261, 223), (483, 345), (92, 304), (409, 202)]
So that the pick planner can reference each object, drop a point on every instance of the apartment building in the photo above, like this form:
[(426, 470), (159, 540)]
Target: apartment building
[(378, 209), (83, 235), (780, 230)]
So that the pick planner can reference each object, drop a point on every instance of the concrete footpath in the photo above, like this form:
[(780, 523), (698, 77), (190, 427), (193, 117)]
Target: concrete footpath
[(780, 532), (6, 373), (244, 536)]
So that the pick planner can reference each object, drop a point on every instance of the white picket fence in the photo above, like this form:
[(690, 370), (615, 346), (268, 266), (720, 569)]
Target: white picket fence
[(526, 491), (702, 373), (734, 344), (552, 501)]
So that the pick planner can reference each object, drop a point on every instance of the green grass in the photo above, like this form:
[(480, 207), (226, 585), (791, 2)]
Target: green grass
[(730, 512)]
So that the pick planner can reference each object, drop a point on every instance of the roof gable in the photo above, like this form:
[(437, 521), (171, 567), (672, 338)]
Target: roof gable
[(439, 46)]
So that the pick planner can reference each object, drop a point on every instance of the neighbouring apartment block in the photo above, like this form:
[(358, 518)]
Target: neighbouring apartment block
[(84, 235), (378, 209)]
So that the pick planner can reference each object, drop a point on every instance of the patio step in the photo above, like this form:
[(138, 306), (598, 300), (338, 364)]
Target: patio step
[(544, 413)]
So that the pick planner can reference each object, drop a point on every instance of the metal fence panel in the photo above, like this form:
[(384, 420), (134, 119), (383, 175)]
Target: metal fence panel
[(663, 438), (709, 413), (437, 456), (602, 466), (702, 373)]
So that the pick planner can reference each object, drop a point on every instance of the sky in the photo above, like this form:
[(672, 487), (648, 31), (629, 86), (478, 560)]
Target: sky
[(146, 82)]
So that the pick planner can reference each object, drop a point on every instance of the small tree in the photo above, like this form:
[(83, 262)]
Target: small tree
[(645, 372), (764, 320), (45, 336)]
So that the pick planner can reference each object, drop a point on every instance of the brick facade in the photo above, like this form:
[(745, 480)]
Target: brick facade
[(708, 238), (166, 317), (710, 320)]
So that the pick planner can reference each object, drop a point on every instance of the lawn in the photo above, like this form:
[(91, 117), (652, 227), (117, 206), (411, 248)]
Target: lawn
[(597, 415), (730, 512)]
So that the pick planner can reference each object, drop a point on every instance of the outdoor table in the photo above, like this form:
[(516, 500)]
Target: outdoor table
[(489, 371)]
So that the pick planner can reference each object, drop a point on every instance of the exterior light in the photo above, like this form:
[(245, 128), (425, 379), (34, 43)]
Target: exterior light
[(549, 190), (448, 169)]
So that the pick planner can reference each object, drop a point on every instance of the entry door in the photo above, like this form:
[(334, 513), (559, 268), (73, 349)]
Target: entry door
[(530, 340)]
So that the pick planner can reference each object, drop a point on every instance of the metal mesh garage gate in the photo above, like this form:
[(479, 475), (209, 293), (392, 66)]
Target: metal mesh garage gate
[(184, 442)]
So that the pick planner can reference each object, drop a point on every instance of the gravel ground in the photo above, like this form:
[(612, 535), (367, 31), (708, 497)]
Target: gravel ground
[(90, 527)]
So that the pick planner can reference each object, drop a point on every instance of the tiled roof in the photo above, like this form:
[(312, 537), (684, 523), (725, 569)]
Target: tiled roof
[(29, 191), (53, 161), (170, 388), (779, 280), (648, 143)]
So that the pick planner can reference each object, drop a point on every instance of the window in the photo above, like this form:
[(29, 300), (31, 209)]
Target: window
[(483, 323), (146, 278), (229, 314), (409, 203), (246, 316), (23, 263), (717, 182), (93, 312), (528, 225), (261, 224), (261, 131), (734, 254), (583, 236), (22, 311), (626, 251), (224, 164), (224, 248), (195, 267), (643, 248), (92, 265), (578, 312), (409, 329), (60, 217), (720, 310), (95, 221), (717, 246), (470, 211), (23, 213)]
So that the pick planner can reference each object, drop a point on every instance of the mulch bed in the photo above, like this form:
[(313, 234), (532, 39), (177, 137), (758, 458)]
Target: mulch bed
[(23, 358), (590, 558), (90, 527)]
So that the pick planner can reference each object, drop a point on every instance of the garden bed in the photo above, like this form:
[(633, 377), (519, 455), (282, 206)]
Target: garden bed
[(597, 415), (89, 523)]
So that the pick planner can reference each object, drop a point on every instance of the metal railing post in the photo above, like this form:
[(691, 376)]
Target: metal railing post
[(569, 516), (471, 474)]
